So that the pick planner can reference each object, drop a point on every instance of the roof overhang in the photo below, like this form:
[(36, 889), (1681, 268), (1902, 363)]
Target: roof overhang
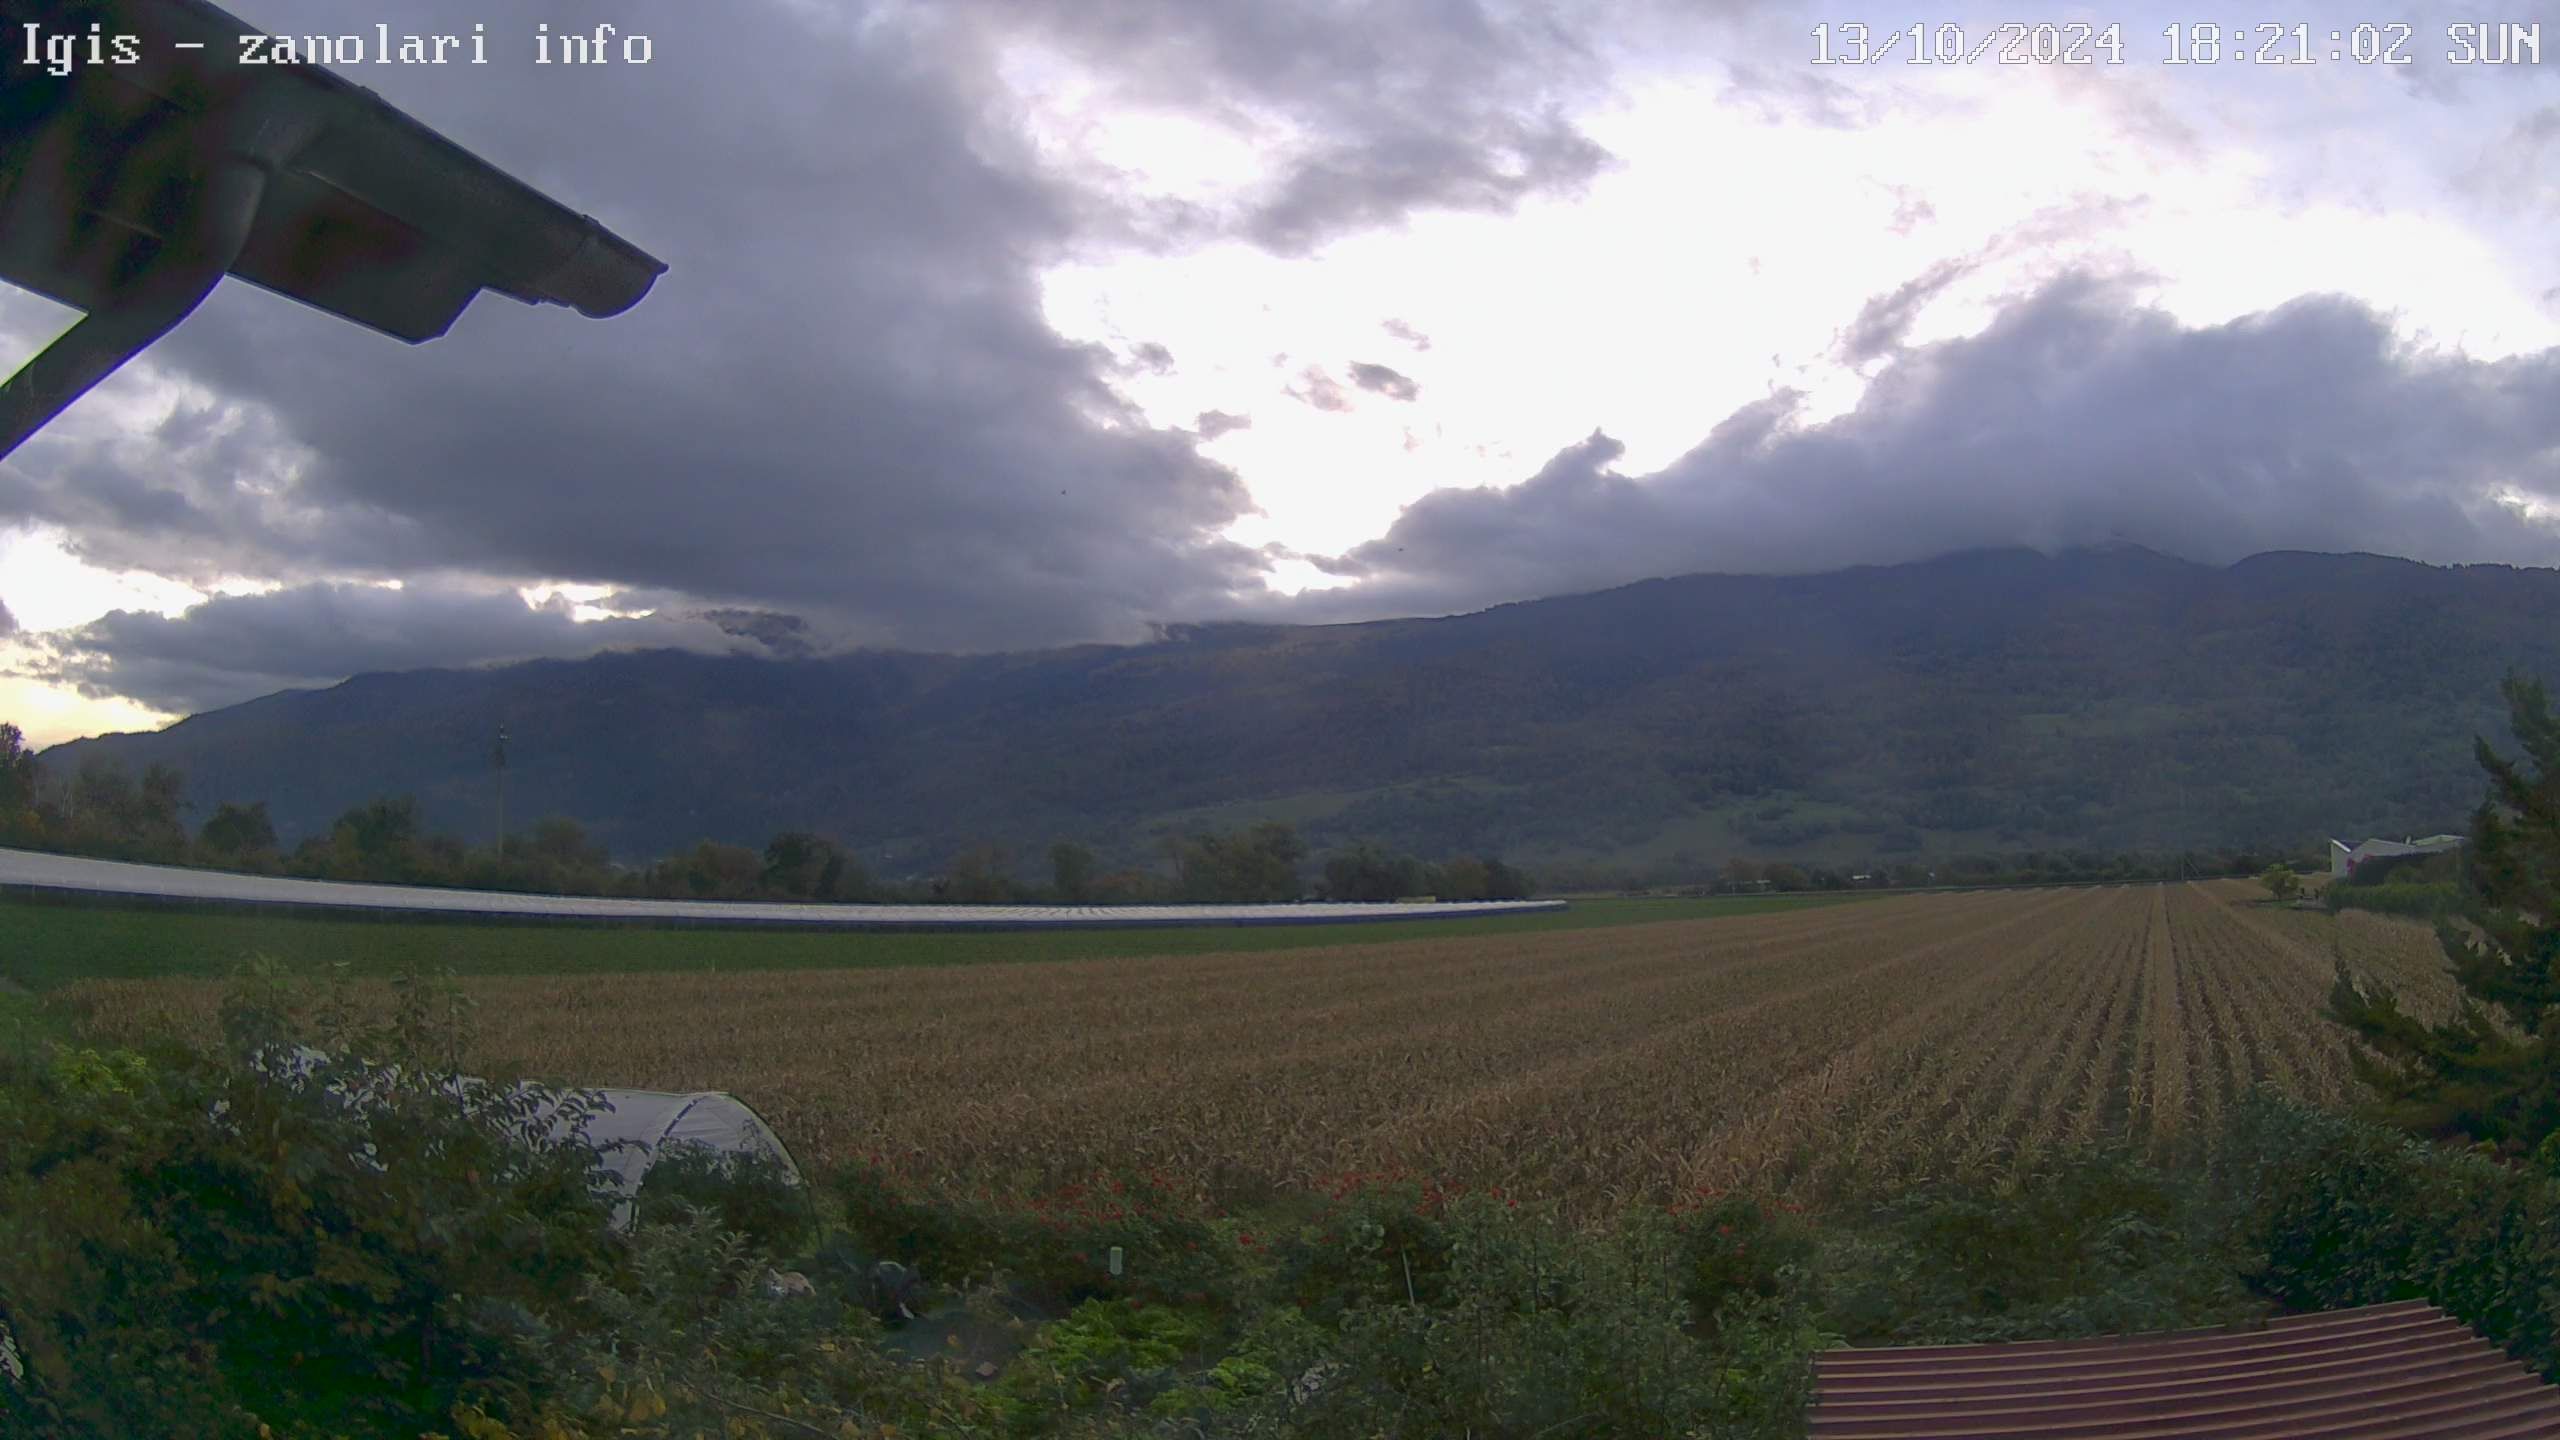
[(2402, 1369), (127, 190)]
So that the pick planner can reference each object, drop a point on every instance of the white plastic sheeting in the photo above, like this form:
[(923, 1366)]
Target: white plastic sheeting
[(36, 871), (648, 1121), (629, 1131)]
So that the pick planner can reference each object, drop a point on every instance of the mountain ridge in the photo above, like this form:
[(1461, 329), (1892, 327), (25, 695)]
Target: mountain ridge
[(1998, 699)]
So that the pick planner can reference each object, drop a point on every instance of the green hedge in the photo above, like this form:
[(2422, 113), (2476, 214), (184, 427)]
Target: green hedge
[(2082, 1242), (2421, 901), (2339, 1212)]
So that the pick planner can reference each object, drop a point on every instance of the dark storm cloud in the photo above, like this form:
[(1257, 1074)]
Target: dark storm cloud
[(1383, 109), (2077, 416), (1406, 333), (1384, 380), (783, 636), (842, 401), (236, 647), (1214, 423)]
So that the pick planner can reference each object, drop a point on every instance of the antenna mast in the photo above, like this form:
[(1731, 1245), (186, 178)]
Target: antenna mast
[(498, 757)]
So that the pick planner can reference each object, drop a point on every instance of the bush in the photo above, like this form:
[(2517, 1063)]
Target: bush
[(688, 1341), (195, 1245), (2339, 1212), (1371, 1240), (1053, 1244), (2419, 901), (219, 1244), (1734, 1249), (1387, 1306), (1536, 1328), (1125, 1350), (2087, 1242), (751, 1194)]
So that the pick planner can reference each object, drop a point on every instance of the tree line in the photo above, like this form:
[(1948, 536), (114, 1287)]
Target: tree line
[(102, 810), (2026, 867)]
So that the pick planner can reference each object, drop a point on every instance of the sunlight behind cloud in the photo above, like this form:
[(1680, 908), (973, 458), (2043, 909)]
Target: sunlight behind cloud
[(582, 600), (1309, 269), (49, 714), (1078, 124), (1705, 270), (48, 587)]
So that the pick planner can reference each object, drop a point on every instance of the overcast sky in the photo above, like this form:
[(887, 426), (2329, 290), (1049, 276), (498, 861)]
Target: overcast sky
[(996, 324)]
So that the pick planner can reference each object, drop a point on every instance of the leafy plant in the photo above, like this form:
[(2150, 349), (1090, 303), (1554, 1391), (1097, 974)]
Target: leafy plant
[(1540, 1328), (686, 1339), (1054, 1243), (197, 1244), (1734, 1248), (1122, 1350), (2083, 1242), (2337, 1212), (751, 1193)]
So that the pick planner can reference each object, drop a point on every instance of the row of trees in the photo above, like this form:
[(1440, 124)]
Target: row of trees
[(2023, 867), (1367, 873), (102, 810), (2029, 867)]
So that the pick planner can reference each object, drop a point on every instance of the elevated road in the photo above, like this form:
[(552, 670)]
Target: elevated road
[(32, 872)]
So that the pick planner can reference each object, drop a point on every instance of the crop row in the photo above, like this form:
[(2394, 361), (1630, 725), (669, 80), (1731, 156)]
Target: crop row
[(1820, 1053)]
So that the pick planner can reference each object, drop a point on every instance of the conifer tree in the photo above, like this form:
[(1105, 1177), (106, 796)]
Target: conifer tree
[(2492, 1072)]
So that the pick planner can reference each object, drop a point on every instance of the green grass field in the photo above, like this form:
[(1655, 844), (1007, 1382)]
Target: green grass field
[(53, 943)]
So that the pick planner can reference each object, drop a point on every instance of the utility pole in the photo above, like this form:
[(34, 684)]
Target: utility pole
[(499, 757)]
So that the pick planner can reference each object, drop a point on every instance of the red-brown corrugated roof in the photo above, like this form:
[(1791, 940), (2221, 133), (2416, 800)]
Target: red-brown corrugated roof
[(2384, 1372)]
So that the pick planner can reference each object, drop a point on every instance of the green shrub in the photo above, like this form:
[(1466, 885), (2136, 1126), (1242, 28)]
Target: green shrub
[(2339, 1212), (1120, 1350), (1054, 1244), (2087, 1242), (1371, 1240), (686, 1340), (751, 1193), (194, 1245), (1541, 1329), (1734, 1248), (2422, 901)]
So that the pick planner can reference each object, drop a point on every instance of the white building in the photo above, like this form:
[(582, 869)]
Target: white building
[(2343, 859)]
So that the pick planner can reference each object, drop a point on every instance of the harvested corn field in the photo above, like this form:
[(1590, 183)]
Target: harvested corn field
[(1821, 1052)]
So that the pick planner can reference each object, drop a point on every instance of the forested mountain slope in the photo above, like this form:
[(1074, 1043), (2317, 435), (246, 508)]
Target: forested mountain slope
[(1990, 700)]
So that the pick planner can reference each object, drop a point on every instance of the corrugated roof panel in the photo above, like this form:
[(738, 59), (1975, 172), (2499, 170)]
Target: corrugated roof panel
[(2378, 1372)]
